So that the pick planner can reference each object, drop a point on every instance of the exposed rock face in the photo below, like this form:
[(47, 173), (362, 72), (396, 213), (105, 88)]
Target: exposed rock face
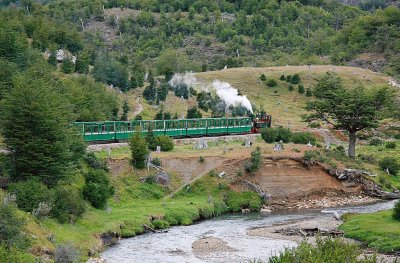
[(372, 62), (162, 178)]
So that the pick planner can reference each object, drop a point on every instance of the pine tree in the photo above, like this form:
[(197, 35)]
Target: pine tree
[(301, 89), (82, 62), (36, 127), (139, 150), (68, 66), (125, 110)]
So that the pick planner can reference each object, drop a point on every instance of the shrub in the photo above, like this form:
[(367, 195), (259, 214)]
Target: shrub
[(255, 160), (156, 161), (10, 226), (271, 83), (397, 136), (308, 92), (160, 224), (396, 211), (375, 141), (97, 188), (325, 250), (94, 162), (263, 77), (201, 159), (15, 255), (288, 78), (295, 79), (139, 150), (68, 204), (390, 145), (309, 155), (165, 142), (282, 77), (291, 88), (68, 66), (391, 164), (65, 254), (30, 193), (301, 89), (303, 138), (367, 158), (271, 135)]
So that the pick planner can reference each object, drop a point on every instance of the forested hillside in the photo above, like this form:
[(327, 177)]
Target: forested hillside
[(119, 41)]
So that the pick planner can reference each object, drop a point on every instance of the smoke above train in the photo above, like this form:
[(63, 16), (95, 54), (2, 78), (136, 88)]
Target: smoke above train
[(224, 90)]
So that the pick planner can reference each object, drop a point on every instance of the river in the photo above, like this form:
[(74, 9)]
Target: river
[(176, 245)]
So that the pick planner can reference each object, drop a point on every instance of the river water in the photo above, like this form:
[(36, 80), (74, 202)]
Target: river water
[(175, 246)]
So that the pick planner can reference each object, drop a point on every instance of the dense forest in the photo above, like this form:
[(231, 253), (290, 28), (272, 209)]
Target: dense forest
[(117, 42)]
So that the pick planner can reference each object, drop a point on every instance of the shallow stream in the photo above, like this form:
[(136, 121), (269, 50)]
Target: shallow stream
[(175, 246)]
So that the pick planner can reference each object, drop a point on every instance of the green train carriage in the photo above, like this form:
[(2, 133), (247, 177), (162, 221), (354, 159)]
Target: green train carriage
[(122, 130)]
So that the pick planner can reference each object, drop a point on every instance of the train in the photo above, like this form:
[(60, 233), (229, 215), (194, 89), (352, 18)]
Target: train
[(114, 131)]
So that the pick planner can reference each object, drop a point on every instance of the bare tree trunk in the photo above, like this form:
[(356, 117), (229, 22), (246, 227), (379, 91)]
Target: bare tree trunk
[(352, 144)]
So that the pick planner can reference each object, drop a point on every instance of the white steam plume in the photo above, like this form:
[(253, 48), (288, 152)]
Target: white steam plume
[(231, 95), (187, 79), (224, 90)]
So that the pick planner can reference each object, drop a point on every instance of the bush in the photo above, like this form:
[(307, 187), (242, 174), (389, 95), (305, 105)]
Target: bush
[(282, 77), (303, 138), (139, 150), (375, 141), (68, 66), (165, 142), (201, 159), (271, 83), (397, 136), (156, 161), (65, 254), (160, 224), (301, 89), (295, 79), (396, 211), (94, 162), (325, 250), (68, 204), (288, 78), (30, 193), (255, 160), (308, 92), (97, 188), (391, 164), (291, 88), (271, 135), (14, 255), (263, 77), (390, 145), (11, 226)]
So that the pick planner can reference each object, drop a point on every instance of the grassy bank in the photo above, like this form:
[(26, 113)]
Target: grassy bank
[(136, 204), (377, 230)]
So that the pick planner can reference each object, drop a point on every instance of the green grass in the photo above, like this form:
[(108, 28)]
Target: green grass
[(377, 230), (135, 203)]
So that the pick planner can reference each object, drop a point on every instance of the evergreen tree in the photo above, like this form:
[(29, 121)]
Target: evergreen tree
[(35, 123), (125, 110), (193, 113), (82, 62), (295, 79), (282, 77), (68, 66), (263, 77), (139, 150), (308, 92), (301, 89)]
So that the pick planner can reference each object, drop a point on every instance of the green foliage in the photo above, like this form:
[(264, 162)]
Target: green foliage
[(375, 141), (68, 205), (303, 138), (160, 224), (255, 161), (201, 159), (263, 77), (390, 145), (11, 230), (97, 188), (236, 201), (290, 88), (68, 66), (112, 72), (30, 193), (139, 150), (150, 93), (301, 89), (94, 162), (36, 128), (295, 79), (326, 250), (125, 110), (66, 253), (193, 113), (396, 211), (391, 164), (165, 142), (277, 134), (15, 255), (271, 83), (282, 78), (343, 107), (82, 62), (308, 92)]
